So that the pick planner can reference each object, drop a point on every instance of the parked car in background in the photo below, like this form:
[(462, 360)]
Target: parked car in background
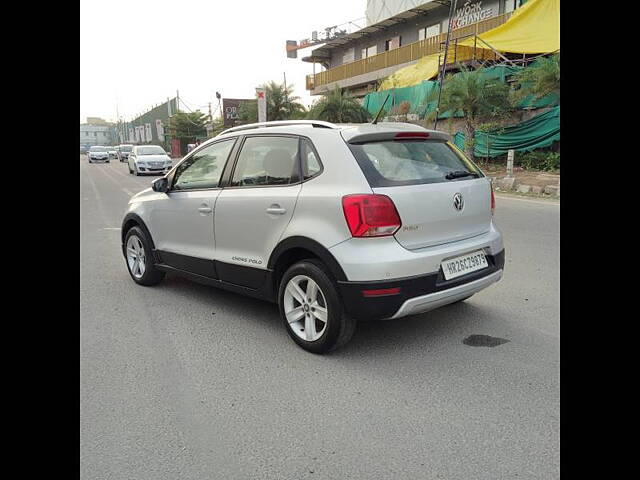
[(123, 152), (334, 223), (98, 153), (112, 151), (148, 159)]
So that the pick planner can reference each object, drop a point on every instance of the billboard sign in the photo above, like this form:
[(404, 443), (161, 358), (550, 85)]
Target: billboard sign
[(230, 108), (160, 129)]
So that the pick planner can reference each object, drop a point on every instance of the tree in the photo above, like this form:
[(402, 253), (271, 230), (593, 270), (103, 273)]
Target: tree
[(248, 112), (338, 107), (540, 79), (282, 104), (188, 125), (477, 97)]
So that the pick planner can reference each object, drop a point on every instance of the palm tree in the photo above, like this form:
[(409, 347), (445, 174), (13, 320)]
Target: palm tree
[(477, 97), (540, 79), (338, 107), (282, 104)]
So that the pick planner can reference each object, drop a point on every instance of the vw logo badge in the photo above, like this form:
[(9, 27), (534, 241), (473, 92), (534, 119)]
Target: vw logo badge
[(458, 202)]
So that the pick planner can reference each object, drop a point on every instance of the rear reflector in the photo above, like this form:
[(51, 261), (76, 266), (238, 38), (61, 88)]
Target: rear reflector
[(370, 215), (382, 292), (493, 200), (412, 135)]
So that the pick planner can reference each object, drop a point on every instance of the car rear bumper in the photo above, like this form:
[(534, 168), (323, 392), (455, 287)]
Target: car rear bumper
[(432, 301), (153, 171), (416, 294)]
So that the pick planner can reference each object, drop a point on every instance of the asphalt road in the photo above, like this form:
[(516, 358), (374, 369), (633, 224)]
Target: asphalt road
[(184, 381)]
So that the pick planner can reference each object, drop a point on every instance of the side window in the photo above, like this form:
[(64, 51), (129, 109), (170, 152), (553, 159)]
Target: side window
[(267, 161), (310, 162), (204, 168)]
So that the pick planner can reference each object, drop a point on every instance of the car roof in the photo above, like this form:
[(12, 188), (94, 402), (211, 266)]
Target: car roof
[(348, 131)]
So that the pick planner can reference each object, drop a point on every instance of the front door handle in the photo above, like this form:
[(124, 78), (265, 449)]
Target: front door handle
[(205, 209), (276, 210)]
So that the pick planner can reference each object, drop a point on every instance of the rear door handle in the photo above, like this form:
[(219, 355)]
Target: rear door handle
[(205, 210), (276, 210)]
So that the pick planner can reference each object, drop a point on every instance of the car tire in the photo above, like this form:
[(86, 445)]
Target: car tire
[(136, 172), (138, 246), (338, 328)]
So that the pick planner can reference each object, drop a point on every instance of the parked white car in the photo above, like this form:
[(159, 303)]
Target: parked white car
[(98, 153), (335, 223), (145, 159)]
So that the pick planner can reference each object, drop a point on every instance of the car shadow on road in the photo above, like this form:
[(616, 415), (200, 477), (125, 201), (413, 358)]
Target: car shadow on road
[(448, 324)]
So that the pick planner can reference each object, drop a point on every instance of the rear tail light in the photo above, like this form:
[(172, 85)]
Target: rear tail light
[(370, 215), (493, 200)]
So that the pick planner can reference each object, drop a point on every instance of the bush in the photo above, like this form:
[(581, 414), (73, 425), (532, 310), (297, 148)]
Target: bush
[(553, 161), (539, 160)]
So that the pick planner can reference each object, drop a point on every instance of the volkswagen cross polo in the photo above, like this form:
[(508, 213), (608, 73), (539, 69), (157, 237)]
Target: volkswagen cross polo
[(334, 223)]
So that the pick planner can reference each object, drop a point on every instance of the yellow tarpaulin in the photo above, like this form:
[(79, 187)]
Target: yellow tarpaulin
[(423, 69), (532, 28)]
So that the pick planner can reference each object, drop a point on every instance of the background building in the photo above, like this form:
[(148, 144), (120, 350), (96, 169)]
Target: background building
[(378, 10), (97, 131), (400, 33)]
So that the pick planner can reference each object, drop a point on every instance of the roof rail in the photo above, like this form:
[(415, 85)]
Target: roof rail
[(281, 123)]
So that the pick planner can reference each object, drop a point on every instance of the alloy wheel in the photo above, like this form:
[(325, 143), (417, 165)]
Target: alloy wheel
[(305, 308), (136, 256)]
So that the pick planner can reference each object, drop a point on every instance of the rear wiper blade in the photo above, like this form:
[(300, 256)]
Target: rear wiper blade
[(459, 174)]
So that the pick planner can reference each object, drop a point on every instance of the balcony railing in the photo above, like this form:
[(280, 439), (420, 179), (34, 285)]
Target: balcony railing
[(404, 54)]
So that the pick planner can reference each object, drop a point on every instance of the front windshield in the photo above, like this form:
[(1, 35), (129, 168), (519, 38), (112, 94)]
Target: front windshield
[(98, 149), (151, 150), (126, 148)]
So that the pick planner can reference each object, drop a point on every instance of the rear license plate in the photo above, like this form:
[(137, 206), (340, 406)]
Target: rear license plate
[(471, 262)]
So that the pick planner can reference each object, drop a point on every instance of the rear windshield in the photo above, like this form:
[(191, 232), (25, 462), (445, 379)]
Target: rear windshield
[(412, 162)]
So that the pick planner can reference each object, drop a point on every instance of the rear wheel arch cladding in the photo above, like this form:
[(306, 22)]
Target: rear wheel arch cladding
[(302, 244)]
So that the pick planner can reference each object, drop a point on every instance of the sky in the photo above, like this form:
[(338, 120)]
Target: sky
[(135, 54)]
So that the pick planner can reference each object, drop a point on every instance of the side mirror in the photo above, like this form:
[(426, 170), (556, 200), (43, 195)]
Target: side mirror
[(160, 185)]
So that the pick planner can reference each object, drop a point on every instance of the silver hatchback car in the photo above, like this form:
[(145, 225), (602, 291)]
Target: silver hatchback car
[(334, 223)]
